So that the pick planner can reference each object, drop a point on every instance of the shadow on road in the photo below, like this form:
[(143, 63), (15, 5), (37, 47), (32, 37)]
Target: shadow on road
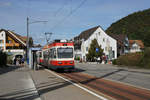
[(106, 75), (8, 68)]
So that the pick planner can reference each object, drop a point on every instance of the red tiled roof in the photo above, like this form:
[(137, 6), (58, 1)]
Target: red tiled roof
[(139, 42)]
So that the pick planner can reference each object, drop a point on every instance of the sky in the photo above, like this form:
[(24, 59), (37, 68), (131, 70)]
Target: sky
[(65, 19)]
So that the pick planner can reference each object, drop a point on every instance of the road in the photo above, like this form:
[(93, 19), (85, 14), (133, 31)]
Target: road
[(135, 77)]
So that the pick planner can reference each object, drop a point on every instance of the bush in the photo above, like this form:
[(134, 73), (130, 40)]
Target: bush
[(145, 61), (9, 59), (131, 59), (77, 58), (141, 59), (3, 59), (114, 62)]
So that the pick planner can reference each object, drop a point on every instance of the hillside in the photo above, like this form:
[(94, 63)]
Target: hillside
[(136, 26)]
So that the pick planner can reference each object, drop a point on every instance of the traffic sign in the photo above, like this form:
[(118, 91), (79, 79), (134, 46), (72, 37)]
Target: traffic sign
[(97, 49)]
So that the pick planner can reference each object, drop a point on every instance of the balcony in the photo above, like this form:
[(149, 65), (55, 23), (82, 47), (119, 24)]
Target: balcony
[(12, 44)]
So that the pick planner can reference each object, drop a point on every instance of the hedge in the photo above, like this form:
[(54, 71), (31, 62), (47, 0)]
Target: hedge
[(3, 59), (140, 59)]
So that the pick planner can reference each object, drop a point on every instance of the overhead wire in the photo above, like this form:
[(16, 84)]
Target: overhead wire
[(72, 12), (61, 8)]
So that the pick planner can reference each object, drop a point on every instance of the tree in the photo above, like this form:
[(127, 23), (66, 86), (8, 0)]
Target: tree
[(135, 26), (92, 51)]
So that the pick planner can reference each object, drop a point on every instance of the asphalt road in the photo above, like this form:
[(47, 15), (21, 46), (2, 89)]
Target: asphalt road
[(136, 77)]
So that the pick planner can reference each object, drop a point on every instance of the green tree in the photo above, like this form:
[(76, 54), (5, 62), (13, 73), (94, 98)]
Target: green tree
[(92, 51), (135, 26)]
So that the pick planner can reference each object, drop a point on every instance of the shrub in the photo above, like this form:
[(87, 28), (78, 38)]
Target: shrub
[(114, 62), (78, 58), (9, 59), (3, 59), (145, 61), (131, 59)]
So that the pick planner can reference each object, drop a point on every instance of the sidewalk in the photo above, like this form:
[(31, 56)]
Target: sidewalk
[(50, 87), (16, 84), (21, 83)]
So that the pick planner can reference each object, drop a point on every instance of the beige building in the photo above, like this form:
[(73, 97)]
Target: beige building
[(12, 42)]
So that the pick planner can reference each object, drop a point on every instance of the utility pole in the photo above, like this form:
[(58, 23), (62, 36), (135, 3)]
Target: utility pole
[(27, 42)]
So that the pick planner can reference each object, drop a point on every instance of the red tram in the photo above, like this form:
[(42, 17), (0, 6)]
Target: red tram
[(57, 55)]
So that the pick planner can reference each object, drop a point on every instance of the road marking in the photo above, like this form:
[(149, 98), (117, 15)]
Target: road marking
[(85, 89)]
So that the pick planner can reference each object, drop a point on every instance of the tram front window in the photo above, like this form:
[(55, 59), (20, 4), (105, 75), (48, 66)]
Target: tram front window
[(65, 52)]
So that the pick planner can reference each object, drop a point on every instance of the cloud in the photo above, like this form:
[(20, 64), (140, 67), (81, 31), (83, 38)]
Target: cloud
[(5, 4)]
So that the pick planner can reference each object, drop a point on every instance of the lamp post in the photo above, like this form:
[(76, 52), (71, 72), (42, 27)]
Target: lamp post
[(27, 42)]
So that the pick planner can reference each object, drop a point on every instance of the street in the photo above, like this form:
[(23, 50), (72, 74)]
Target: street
[(135, 77)]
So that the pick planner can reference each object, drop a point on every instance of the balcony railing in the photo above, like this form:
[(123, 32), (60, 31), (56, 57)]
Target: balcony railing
[(12, 44)]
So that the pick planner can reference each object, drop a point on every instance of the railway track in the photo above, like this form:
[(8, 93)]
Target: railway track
[(112, 89)]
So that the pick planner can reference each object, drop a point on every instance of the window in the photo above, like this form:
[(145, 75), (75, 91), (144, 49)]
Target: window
[(99, 33), (86, 48), (65, 52), (105, 48), (110, 48), (52, 53), (103, 39), (40, 54), (1, 41), (45, 54), (9, 41), (2, 35), (113, 54)]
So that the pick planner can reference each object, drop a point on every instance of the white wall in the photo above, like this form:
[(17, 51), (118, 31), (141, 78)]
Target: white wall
[(135, 48), (103, 39), (3, 37)]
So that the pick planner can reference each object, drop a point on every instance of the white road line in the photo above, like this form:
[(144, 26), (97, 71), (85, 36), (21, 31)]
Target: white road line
[(100, 97)]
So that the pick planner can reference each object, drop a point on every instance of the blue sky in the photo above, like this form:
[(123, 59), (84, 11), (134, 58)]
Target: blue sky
[(66, 18)]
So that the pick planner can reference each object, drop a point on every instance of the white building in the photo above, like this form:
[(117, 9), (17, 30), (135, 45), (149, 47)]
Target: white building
[(136, 46), (108, 44)]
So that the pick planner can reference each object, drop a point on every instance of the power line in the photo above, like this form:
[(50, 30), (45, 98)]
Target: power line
[(73, 11), (61, 8)]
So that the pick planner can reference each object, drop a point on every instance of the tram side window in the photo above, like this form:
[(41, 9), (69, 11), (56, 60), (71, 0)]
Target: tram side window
[(50, 53), (40, 54), (45, 54), (54, 52)]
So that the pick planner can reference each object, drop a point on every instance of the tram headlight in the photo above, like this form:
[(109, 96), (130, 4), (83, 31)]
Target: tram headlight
[(71, 62), (59, 62)]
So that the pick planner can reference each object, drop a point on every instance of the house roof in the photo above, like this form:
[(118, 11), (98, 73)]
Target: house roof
[(86, 34), (119, 37), (17, 37), (139, 42)]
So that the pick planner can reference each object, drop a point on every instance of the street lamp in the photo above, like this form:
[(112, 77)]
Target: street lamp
[(27, 42)]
